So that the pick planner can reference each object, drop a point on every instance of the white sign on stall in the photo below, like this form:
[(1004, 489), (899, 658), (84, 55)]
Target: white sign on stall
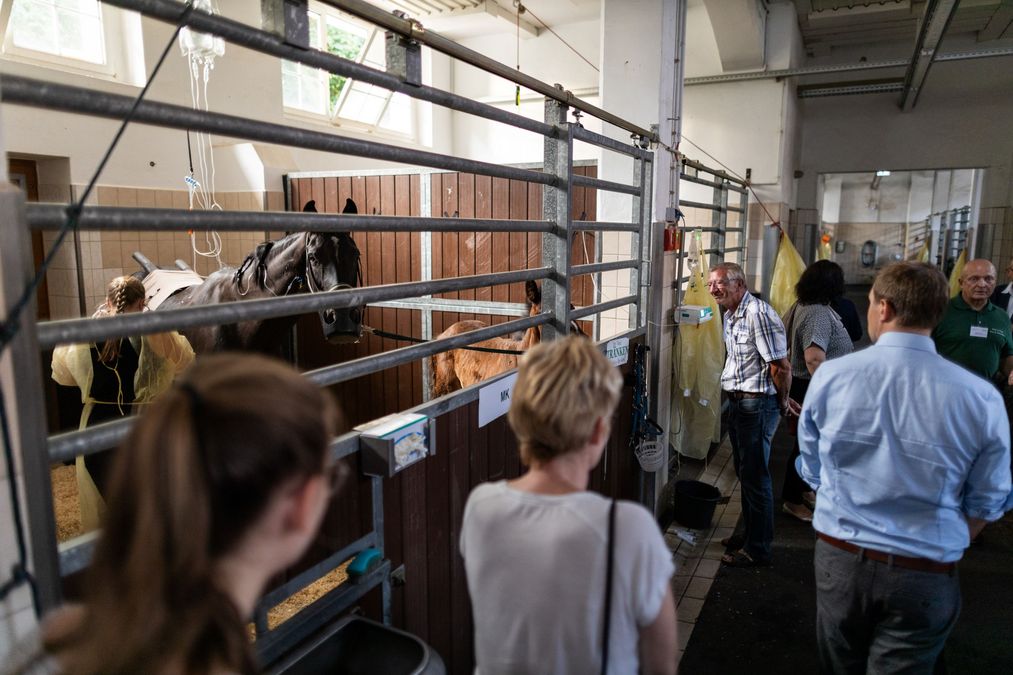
[(618, 351), (494, 399)]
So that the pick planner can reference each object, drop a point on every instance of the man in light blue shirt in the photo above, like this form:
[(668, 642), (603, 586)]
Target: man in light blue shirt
[(910, 457)]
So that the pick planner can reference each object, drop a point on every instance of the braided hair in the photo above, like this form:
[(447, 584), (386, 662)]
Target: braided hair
[(122, 292)]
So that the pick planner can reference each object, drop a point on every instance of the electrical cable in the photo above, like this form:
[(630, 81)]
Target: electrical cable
[(558, 37), (11, 325)]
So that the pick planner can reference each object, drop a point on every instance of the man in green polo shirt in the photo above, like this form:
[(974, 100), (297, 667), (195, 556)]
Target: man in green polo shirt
[(975, 333)]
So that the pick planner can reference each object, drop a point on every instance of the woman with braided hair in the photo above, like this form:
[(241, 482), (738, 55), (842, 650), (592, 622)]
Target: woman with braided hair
[(227, 478), (114, 376)]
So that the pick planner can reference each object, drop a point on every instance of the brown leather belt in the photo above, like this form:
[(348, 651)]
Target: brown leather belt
[(739, 395), (919, 564)]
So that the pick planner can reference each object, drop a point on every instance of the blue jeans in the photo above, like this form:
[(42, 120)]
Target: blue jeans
[(872, 617), (752, 423)]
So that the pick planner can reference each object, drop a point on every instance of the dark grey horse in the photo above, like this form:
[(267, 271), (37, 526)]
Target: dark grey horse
[(305, 262)]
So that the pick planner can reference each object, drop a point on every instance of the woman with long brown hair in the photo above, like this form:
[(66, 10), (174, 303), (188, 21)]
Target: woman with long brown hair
[(114, 376), (225, 483)]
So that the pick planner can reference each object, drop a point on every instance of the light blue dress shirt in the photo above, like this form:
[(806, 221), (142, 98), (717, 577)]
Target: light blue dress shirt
[(901, 445)]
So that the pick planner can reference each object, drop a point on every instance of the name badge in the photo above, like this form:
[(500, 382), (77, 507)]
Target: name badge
[(979, 331)]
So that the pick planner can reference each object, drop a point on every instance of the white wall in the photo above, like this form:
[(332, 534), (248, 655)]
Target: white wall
[(232, 90), (964, 119), (542, 57)]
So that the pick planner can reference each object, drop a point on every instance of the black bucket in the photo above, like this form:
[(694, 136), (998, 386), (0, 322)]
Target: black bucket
[(695, 502)]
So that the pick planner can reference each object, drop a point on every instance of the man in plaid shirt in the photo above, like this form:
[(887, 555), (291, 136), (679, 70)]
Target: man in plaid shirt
[(756, 379)]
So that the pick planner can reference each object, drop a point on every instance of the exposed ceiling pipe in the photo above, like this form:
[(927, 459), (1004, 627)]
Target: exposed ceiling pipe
[(844, 67), (849, 89), (934, 22)]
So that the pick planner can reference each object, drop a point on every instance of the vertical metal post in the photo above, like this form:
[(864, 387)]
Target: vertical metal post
[(740, 254), (376, 485), (26, 407), (719, 219), (426, 267), (638, 239), (556, 207)]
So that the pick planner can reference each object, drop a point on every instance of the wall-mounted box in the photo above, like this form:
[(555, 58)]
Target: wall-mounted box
[(395, 442), (693, 314)]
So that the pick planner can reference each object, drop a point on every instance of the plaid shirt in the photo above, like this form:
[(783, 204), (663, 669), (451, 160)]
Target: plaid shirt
[(754, 337)]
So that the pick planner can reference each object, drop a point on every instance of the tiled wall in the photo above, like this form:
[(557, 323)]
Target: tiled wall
[(889, 237), (998, 223), (615, 284), (105, 255)]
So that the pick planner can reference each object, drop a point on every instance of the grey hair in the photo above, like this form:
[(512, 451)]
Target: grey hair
[(732, 271)]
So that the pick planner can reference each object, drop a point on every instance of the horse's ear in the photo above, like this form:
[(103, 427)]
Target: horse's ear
[(533, 292), (350, 206), (311, 206)]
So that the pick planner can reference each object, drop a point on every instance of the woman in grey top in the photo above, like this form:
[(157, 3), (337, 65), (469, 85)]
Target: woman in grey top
[(815, 334)]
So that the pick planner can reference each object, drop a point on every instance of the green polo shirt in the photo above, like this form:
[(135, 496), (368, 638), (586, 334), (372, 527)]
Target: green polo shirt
[(976, 340)]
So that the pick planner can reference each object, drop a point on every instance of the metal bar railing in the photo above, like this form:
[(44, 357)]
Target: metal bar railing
[(70, 331), (98, 218), (594, 268), (599, 184), (349, 370), (596, 226), (268, 43), (311, 574), (582, 134), (66, 98), (701, 205), (410, 29), (604, 306), (737, 184)]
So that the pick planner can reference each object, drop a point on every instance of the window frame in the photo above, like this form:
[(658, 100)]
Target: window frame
[(333, 116), (43, 58)]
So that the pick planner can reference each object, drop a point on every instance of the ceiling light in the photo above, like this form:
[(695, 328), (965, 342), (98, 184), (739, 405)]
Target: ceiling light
[(882, 172)]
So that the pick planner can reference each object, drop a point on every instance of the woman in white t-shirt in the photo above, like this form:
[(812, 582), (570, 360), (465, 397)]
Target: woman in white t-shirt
[(536, 549)]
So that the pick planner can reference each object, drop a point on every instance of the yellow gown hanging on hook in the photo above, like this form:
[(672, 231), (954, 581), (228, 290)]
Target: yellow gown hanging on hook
[(958, 269), (697, 360), (788, 267)]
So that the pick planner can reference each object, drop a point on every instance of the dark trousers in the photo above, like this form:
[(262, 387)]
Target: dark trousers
[(752, 423), (794, 486), (872, 617)]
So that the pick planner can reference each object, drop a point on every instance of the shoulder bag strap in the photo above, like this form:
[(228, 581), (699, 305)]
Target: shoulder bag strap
[(608, 588)]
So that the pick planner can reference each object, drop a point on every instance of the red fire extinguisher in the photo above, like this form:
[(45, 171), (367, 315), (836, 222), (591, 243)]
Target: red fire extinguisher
[(672, 238)]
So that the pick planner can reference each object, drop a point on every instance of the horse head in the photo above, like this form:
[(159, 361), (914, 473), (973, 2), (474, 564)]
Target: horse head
[(534, 296), (332, 263)]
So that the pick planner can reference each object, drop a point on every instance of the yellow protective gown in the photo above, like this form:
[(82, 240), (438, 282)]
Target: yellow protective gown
[(697, 360), (958, 269), (160, 358), (824, 251), (788, 267), (923, 254)]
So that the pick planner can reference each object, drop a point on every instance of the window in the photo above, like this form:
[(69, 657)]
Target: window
[(342, 100), (71, 29), (81, 37)]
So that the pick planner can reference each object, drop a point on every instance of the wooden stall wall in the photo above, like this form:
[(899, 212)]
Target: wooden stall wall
[(424, 504), (463, 253)]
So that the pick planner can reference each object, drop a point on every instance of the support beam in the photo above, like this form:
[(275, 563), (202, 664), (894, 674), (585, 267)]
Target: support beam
[(740, 28), (938, 14)]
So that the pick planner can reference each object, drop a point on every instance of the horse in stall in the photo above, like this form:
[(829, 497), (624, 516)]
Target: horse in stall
[(303, 262), (458, 368)]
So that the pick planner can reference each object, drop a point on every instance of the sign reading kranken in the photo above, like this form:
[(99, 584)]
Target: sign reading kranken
[(618, 351)]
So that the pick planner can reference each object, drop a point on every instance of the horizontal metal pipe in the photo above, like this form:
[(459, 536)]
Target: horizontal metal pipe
[(603, 307), (268, 43), (691, 228), (350, 370), (593, 268), (700, 181), (38, 93), (462, 306), (413, 30), (52, 333), (52, 216), (699, 205), (582, 134), (602, 226), (844, 67), (735, 209), (717, 172), (599, 184)]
